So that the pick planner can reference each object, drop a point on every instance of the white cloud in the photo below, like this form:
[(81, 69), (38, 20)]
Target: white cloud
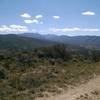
[(17, 26), (91, 30), (64, 30), (31, 21), (26, 15), (56, 17), (13, 29), (88, 13), (35, 21), (28, 21), (38, 16)]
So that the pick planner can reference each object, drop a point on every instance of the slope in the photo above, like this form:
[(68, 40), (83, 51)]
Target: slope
[(12, 41)]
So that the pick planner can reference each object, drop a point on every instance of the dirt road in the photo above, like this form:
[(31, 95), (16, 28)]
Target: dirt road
[(87, 91)]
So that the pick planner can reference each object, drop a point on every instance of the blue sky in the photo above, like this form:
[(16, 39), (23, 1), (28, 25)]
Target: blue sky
[(68, 17)]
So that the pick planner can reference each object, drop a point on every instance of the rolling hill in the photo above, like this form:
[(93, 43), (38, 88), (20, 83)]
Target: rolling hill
[(12, 41), (83, 41)]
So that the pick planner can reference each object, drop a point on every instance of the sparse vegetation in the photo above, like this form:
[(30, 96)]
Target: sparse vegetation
[(29, 74)]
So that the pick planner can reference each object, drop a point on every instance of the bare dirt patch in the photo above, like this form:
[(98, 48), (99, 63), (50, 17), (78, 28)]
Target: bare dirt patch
[(87, 91)]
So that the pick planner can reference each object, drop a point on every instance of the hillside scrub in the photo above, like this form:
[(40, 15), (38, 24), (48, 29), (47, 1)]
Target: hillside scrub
[(28, 74)]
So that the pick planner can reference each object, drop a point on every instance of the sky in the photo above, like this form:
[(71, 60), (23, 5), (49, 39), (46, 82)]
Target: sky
[(61, 17)]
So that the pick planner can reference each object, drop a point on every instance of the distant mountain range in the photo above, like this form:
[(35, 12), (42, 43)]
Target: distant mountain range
[(34, 40), (12, 41), (83, 41)]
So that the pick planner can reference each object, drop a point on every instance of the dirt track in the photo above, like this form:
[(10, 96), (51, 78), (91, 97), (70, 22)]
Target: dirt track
[(87, 91)]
